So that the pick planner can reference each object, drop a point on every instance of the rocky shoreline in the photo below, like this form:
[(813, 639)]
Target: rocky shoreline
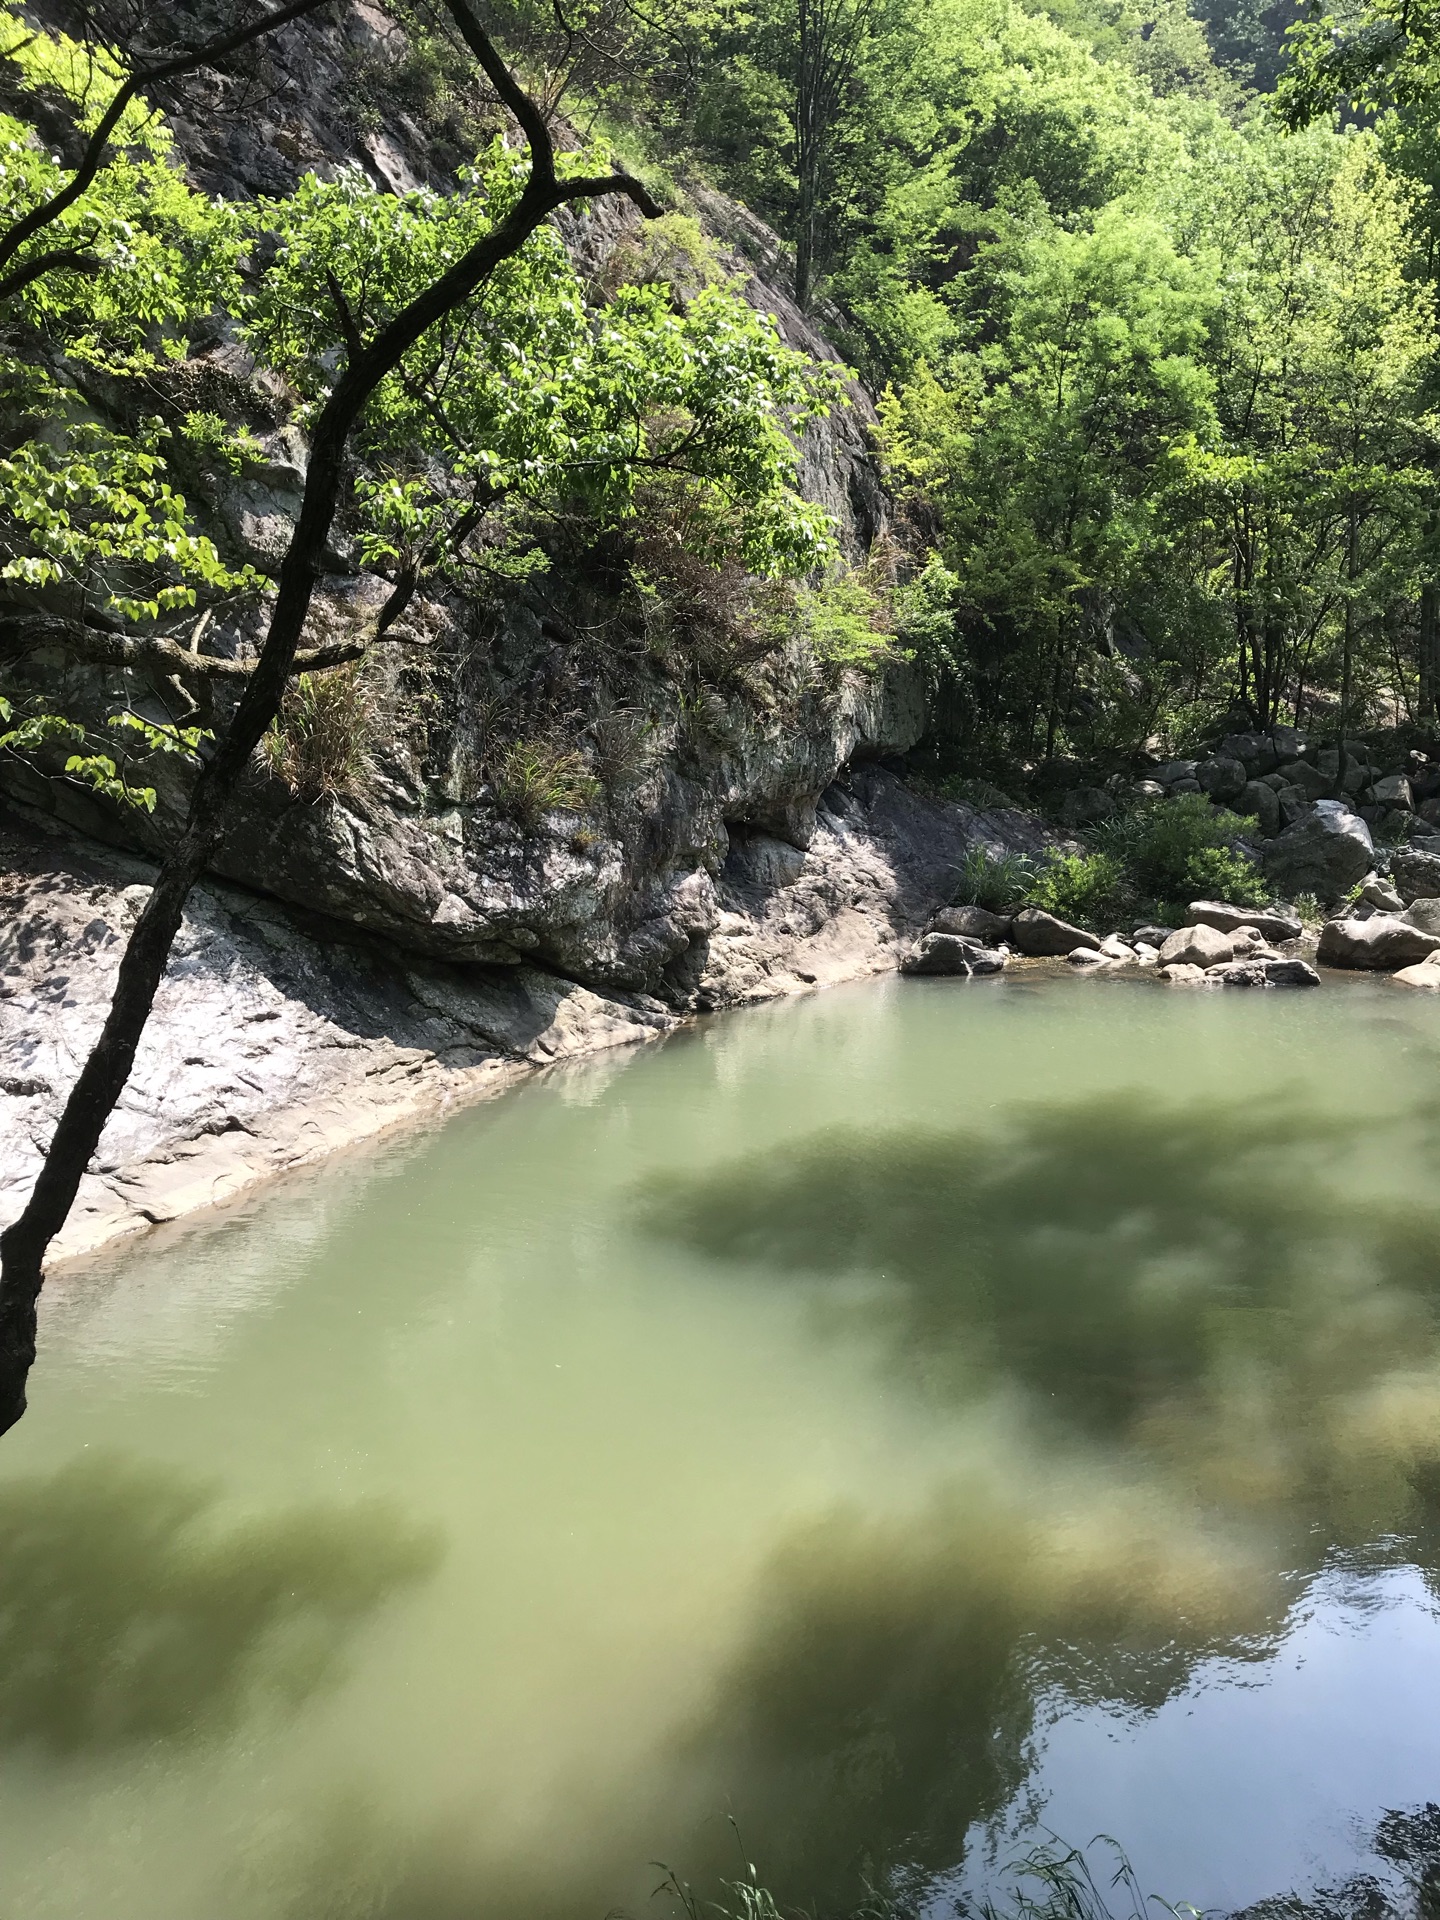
[(281, 1038)]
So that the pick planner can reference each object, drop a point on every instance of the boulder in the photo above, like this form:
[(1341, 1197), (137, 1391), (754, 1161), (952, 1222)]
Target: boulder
[(1256, 752), (1148, 790), (973, 923), (1266, 970), (950, 953), (1326, 852), (1042, 936), (1380, 943), (1181, 975), (1202, 946), (1174, 770), (1255, 797), (1089, 957), (1271, 923), (1430, 812), (1114, 948), (1185, 786), (1222, 779), (1295, 803), (1378, 893), (1145, 954), (1394, 791), (1425, 973), (1424, 914), (1311, 782), (1086, 807), (1357, 772), (1416, 875), (1151, 936)]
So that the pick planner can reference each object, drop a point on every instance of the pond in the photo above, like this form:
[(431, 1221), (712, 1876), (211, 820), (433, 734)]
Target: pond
[(888, 1425)]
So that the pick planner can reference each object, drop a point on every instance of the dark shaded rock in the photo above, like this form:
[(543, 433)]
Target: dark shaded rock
[(1174, 770), (1086, 806), (950, 953), (973, 923), (1255, 797), (1416, 874), (1311, 782), (1042, 936), (1256, 752), (1326, 852), (1271, 923), (1380, 944), (1221, 778), (1152, 936)]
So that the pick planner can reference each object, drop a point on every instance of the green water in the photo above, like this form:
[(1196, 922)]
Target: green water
[(892, 1419)]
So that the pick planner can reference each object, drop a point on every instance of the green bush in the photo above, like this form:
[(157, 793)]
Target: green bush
[(1175, 850), (1086, 888), (993, 880)]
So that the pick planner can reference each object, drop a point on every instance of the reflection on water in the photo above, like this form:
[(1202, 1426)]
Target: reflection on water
[(886, 1420)]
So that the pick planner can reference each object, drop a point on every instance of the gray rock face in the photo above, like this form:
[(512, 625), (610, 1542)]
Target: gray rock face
[(1271, 923), (950, 953), (1424, 914), (1327, 851), (1381, 943), (1222, 779), (1042, 936), (1263, 802), (974, 923), (1271, 972), (1204, 946), (1394, 791), (1416, 875)]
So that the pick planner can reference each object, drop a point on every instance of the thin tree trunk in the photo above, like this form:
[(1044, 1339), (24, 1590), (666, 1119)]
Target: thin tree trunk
[(1429, 651), (102, 1079), (1347, 656)]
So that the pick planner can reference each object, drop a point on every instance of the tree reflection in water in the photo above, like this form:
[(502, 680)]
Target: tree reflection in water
[(1224, 1355)]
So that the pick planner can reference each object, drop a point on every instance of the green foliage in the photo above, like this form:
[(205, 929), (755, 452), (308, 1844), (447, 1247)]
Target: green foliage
[(38, 732), (529, 397), (996, 881), (845, 623), (1084, 888), (1182, 849), (531, 778), (316, 743)]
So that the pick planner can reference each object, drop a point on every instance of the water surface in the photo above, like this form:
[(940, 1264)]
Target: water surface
[(898, 1420)]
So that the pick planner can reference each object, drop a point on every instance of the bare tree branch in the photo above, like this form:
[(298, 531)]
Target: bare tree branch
[(27, 633)]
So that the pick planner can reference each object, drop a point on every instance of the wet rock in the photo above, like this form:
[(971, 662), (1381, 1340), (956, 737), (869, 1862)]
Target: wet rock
[(1089, 957), (1381, 943), (1326, 852), (1415, 874), (1268, 970), (1263, 802), (951, 953), (1042, 936), (1271, 923), (973, 923), (1202, 946), (1223, 779)]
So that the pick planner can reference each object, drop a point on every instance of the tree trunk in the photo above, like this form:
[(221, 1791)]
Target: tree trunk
[(1429, 651), (102, 1079)]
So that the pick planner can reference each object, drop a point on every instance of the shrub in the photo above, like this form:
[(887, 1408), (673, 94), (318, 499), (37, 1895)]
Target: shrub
[(531, 778), (1175, 849), (846, 623), (316, 743), (1082, 887), (993, 880)]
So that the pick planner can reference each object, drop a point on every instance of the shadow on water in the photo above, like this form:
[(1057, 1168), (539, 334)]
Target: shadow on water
[(1221, 1363), (130, 1611)]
